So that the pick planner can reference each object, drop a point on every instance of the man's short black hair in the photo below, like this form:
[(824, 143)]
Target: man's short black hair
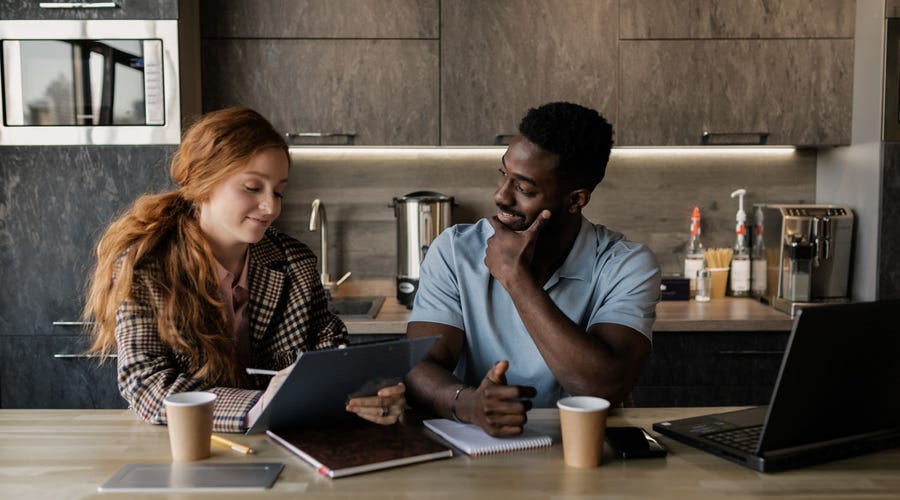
[(580, 136)]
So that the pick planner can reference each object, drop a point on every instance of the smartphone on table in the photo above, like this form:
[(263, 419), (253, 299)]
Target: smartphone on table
[(634, 442)]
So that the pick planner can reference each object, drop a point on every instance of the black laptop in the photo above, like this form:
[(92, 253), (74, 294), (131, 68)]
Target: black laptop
[(837, 394)]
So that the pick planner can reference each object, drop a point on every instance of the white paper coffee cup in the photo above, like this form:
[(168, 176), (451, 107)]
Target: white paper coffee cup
[(190, 420), (583, 423)]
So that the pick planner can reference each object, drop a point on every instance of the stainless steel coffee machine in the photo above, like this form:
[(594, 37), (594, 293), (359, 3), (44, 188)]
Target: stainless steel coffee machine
[(421, 216), (808, 254)]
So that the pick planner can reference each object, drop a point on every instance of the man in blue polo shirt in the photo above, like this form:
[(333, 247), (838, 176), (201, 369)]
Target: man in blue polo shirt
[(536, 302)]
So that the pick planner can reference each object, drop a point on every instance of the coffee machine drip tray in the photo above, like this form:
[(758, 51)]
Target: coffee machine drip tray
[(790, 307)]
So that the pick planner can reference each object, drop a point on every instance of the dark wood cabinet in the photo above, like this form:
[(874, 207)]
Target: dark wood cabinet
[(723, 19), (464, 72), (366, 73), (502, 57), (56, 202), (710, 369), (50, 371), (344, 19), (379, 91), (791, 92), (740, 72)]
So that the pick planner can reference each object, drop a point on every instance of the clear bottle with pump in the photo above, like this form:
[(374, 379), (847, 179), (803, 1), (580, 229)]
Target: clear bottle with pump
[(693, 259), (758, 264), (740, 258)]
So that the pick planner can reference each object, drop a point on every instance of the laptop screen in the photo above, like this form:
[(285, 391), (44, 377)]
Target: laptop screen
[(840, 376)]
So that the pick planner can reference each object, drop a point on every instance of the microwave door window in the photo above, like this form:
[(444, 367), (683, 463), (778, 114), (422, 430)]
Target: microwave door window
[(47, 82), (115, 95), (126, 100), (82, 82)]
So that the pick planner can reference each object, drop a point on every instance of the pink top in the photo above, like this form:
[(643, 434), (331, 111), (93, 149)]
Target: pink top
[(236, 295)]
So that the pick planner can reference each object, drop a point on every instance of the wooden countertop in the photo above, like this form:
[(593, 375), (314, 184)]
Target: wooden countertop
[(68, 453), (728, 314)]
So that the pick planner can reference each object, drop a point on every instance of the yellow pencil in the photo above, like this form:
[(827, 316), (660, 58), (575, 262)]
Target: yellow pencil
[(231, 444)]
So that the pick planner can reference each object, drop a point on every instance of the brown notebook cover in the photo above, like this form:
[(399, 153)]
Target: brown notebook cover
[(357, 447)]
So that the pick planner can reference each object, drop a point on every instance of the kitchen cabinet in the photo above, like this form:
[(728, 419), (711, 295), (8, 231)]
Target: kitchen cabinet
[(348, 19), (380, 91), (711, 368), (742, 71), (45, 371), (892, 8), (420, 72), (500, 58), (54, 204), (712, 19), (126, 9), (364, 71)]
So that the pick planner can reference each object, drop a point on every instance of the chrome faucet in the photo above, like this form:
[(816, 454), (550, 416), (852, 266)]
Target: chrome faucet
[(318, 220)]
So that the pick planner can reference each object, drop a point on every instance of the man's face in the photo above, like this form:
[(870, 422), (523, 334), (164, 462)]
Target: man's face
[(527, 185)]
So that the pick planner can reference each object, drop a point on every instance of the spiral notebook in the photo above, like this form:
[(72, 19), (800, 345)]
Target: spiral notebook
[(473, 441)]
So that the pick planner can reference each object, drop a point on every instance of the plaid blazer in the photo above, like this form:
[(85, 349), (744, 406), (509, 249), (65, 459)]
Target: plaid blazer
[(288, 314)]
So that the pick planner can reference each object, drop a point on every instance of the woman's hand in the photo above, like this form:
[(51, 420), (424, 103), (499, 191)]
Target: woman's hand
[(384, 408)]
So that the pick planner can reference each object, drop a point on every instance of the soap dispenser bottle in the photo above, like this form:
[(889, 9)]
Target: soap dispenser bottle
[(740, 257)]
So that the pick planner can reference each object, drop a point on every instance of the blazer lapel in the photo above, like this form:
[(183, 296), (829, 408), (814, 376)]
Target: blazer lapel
[(266, 282)]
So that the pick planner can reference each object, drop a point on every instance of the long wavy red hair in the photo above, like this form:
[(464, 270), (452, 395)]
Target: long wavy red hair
[(162, 231)]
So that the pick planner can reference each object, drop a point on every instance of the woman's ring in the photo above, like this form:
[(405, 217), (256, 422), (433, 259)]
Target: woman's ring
[(384, 411)]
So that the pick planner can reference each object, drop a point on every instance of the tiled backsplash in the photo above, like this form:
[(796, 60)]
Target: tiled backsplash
[(647, 194)]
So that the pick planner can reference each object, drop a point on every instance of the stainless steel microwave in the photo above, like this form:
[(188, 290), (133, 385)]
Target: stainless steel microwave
[(90, 82)]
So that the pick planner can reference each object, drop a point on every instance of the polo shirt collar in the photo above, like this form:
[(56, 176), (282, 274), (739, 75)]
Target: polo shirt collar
[(579, 264)]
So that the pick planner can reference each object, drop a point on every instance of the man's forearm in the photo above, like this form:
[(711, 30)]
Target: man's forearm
[(431, 387), (582, 363)]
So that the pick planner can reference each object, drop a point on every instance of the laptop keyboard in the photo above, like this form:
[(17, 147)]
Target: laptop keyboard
[(744, 439)]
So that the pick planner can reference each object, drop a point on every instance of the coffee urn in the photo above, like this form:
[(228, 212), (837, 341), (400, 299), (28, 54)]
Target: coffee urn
[(421, 216), (809, 254)]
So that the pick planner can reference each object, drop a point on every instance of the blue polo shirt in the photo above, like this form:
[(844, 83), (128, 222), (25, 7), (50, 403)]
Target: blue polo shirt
[(604, 279)]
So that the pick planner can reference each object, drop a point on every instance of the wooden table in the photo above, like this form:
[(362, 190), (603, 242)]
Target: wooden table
[(57, 454)]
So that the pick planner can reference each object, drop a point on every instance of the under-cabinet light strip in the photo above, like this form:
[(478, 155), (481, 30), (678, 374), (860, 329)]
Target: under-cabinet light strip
[(426, 151), (705, 150)]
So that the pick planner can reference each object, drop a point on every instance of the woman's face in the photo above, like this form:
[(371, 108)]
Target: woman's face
[(243, 206)]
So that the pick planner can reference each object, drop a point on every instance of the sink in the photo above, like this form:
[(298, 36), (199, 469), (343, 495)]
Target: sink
[(356, 307)]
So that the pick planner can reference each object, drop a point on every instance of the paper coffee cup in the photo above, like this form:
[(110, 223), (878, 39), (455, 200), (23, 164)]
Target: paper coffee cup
[(190, 420), (583, 423)]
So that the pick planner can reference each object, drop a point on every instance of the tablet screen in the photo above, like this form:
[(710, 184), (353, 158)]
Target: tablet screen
[(322, 381)]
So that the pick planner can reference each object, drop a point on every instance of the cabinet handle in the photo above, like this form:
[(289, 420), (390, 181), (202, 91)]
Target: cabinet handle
[(503, 139), (734, 138), (79, 5), (293, 139), (73, 323), (64, 355), (751, 353)]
